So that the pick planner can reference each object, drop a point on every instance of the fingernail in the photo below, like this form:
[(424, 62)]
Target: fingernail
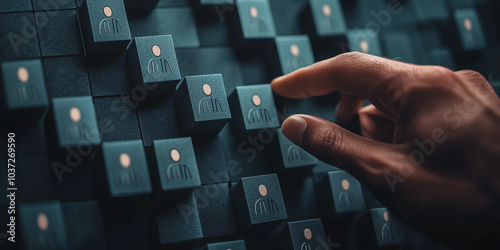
[(293, 128)]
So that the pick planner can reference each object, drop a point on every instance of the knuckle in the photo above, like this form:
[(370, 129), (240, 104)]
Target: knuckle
[(349, 57), (434, 74), (472, 75)]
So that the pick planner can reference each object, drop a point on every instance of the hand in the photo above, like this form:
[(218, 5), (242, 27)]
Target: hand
[(430, 144)]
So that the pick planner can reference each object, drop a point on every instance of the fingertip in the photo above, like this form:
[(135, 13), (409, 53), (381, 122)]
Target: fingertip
[(294, 128), (275, 85)]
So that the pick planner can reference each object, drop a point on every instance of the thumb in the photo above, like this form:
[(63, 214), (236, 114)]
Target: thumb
[(364, 158)]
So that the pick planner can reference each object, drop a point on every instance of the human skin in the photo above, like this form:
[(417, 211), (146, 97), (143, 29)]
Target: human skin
[(429, 147)]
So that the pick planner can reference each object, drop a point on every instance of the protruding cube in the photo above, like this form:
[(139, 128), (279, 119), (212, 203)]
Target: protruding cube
[(75, 121), (258, 200), (43, 225), (291, 53), (300, 235), (176, 164), (469, 29), (363, 40), (233, 245), (104, 25), (126, 168), (328, 17), (152, 63), (252, 108), (341, 194), (285, 154), (24, 85), (202, 104)]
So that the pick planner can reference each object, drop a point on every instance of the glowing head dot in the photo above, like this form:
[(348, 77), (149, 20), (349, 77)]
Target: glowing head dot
[(175, 155), (75, 114), (125, 160), (327, 11), (365, 47), (107, 11), (207, 89), (256, 100), (467, 24), (42, 221), (386, 216), (308, 234), (22, 74), (294, 49), (263, 190), (156, 50), (254, 13), (345, 185)]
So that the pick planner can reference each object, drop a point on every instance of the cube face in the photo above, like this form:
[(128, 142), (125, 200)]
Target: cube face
[(292, 155), (469, 29), (176, 164), (294, 52), (253, 108), (387, 231), (179, 221), (75, 121), (307, 234), (261, 198), (256, 19), (346, 191), (428, 10), (328, 17), (203, 104), (43, 225), (365, 41), (152, 59), (24, 85), (84, 224), (126, 168), (233, 245), (104, 25)]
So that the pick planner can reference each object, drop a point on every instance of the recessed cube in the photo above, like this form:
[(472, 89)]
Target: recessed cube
[(328, 17), (469, 29), (233, 245), (104, 25), (300, 235), (84, 224), (152, 63), (387, 230), (126, 168), (178, 222), (43, 225), (286, 154), (258, 200), (202, 104), (292, 52), (252, 108), (364, 40), (75, 121), (340, 193), (176, 162), (255, 19), (24, 85)]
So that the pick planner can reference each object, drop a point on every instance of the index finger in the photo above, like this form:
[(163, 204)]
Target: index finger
[(356, 74)]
